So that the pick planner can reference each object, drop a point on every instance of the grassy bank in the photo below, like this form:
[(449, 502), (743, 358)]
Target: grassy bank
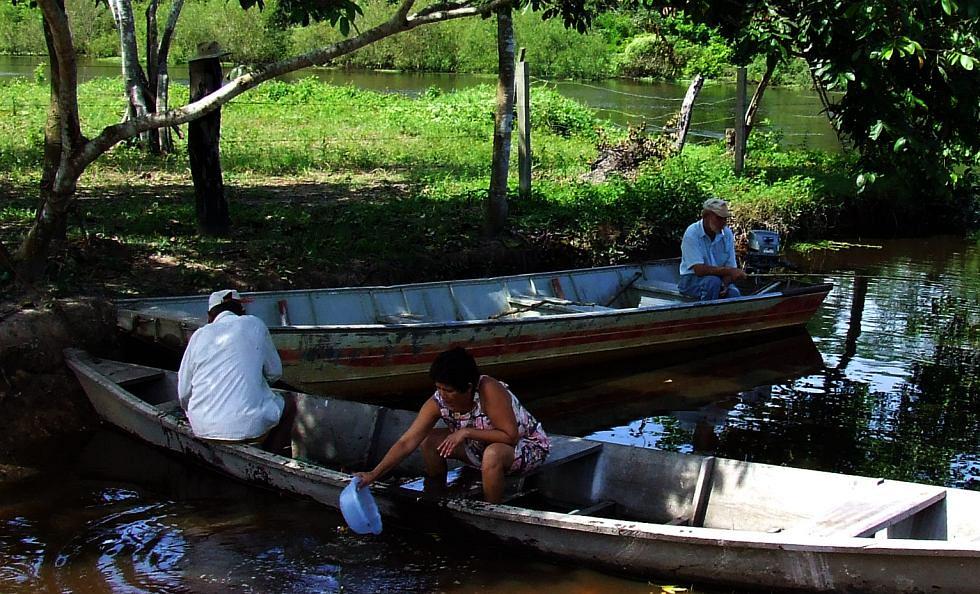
[(336, 186)]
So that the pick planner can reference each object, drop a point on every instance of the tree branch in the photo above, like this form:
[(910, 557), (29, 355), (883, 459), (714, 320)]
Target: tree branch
[(398, 23)]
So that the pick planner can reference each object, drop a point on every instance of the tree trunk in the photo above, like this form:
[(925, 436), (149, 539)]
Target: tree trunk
[(152, 71), (133, 75), (828, 107), (687, 108), (62, 141), (757, 96), (203, 138), (163, 77), (496, 214)]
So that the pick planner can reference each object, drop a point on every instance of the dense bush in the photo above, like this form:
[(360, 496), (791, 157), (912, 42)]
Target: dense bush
[(20, 29), (649, 55)]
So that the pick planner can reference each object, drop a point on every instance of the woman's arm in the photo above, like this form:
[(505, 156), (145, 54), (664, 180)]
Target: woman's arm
[(406, 444)]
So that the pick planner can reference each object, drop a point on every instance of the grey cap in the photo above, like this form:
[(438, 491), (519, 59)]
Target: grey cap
[(717, 206)]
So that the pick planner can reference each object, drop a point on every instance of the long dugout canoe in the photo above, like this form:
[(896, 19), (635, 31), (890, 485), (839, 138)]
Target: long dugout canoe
[(369, 339), (654, 514)]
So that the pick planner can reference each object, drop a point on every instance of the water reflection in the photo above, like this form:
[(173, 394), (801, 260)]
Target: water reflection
[(898, 394), (120, 516)]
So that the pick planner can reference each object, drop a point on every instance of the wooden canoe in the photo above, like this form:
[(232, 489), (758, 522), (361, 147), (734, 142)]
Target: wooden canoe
[(373, 339), (669, 516)]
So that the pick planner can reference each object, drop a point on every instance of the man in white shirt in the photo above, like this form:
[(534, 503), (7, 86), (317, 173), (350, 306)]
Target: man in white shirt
[(708, 267), (224, 377)]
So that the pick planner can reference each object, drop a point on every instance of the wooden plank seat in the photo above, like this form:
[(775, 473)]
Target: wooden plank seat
[(553, 304), (881, 508), (125, 374), (465, 481), (563, 450)]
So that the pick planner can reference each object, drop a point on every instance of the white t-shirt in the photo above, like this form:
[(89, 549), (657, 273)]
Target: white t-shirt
[(223, 379)]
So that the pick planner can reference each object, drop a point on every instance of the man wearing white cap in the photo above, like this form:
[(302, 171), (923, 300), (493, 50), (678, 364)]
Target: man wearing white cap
[(708, 267), (223, 382)]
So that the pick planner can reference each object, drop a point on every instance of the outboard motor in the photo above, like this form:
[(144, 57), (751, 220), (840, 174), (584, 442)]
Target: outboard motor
[(763, 251)]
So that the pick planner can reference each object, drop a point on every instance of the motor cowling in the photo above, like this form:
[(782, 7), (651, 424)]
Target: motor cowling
[(763, 252)]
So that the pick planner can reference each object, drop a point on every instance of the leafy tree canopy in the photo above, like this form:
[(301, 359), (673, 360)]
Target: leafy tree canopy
[(907, 71)]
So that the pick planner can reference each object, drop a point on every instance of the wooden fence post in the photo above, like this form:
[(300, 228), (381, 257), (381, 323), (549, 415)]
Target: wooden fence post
[(523, 90), (740, 121), (203, 137), (686, 108)]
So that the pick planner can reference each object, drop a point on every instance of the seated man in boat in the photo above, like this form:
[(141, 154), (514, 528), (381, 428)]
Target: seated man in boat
[(223, 381), (487, 428), (708, 267)]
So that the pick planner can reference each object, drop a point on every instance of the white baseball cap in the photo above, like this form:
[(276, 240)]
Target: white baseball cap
[(219, 297)]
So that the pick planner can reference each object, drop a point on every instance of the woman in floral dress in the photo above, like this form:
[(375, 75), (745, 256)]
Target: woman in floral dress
[(486, 428)]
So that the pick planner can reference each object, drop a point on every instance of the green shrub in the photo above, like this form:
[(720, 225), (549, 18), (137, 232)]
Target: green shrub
[(649, 55), (710, 60), (20, 29)]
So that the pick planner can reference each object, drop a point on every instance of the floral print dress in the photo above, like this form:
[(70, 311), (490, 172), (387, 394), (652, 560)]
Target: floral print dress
[(532, 446)]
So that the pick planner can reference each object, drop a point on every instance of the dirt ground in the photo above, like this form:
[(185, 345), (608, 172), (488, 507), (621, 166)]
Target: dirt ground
[(39, 398)]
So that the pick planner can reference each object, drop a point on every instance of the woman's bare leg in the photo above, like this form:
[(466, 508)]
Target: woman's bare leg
[(497, 458), (435, 464)]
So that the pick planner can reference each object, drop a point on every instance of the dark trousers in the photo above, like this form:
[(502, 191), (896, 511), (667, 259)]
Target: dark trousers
[(280, 438)]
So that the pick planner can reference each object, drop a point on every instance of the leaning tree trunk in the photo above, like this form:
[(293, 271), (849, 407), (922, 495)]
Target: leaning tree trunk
[(496, 214), (828, 107), (760, 90)]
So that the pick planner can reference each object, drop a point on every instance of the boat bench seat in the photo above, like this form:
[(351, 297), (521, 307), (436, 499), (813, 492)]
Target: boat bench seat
[(563, 450), (553, 304), (864, 517), (661, 288), (126, 374)]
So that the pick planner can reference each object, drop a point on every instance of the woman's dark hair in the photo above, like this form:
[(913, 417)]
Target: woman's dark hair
[(455, 368), (226, 305)]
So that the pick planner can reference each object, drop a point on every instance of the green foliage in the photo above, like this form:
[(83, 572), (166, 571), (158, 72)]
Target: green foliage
[(562, 116), (649, 55), (675, 48), (711, 60), (906, 73), (20, 29), (793, 72)]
